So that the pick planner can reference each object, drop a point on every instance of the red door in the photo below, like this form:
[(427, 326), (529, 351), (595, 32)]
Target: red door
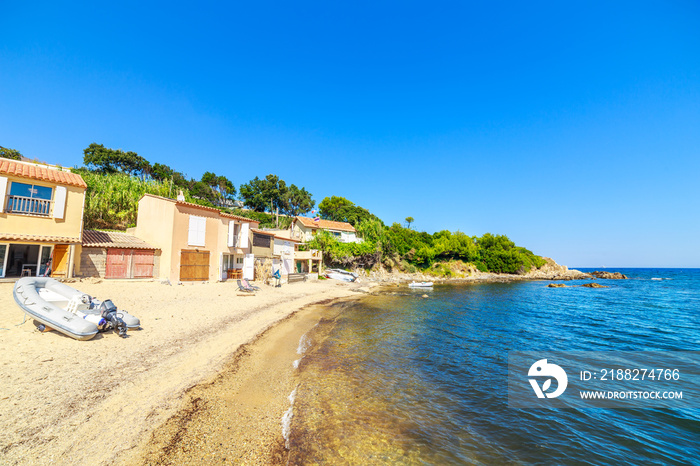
[(143, 263), (118, 263)]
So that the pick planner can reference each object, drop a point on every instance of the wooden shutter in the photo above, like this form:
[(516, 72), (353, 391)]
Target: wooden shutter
[(197, 231), (245, 229), (3, 192), (231, 235), (59, 202)]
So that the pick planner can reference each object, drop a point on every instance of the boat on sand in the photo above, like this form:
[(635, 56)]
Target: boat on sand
[(343, 275), (69, 311)]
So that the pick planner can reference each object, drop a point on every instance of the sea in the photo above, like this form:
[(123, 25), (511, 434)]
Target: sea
[(399, 378)]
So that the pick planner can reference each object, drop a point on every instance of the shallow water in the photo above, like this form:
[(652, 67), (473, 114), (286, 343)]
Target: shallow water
[(398, 378)]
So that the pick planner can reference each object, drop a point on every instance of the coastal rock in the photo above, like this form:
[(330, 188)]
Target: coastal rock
[(553, 271), (593, 285), (609, 275), (557, 285)]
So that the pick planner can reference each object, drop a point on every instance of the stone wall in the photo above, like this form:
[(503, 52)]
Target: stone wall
[(93, 262)]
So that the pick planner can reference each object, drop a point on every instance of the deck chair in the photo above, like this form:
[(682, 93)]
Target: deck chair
[(242, 287), (252, 287)]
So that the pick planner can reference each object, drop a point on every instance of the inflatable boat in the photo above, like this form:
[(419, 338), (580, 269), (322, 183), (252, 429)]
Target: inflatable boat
[(69, 311), (420, 285)]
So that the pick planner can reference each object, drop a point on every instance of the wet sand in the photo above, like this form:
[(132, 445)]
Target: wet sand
[(236, 418), (171, 393)]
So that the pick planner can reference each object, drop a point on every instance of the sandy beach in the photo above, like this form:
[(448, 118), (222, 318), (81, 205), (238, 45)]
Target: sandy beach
[(133, 401)]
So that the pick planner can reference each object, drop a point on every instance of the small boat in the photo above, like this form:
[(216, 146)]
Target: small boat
[(343, 275), (420, 285), (69, 311)]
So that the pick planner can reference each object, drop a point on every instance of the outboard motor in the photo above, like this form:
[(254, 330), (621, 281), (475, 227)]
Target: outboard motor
[(108, 311)]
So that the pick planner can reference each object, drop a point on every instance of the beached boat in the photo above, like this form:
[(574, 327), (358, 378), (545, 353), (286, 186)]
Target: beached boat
[(420, 285), (68, 310), (339, 274)]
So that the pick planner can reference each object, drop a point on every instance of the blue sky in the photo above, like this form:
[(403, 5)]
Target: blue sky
[(573, 128)]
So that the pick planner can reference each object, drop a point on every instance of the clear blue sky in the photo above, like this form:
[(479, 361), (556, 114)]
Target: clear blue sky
[(573, 128)]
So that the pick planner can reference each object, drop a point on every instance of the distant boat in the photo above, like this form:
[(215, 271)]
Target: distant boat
[(420, 285), (656, 278), (342, 275)]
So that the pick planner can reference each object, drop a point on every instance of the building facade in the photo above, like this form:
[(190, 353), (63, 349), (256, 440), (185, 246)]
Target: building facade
[(41, 219), (198, 243)]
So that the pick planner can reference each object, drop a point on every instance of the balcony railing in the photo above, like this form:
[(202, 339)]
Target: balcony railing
[(29, 206)]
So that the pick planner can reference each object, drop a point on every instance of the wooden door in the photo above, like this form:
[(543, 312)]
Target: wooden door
[(194, 265), (142, 263), (59, 263), (118, 263)]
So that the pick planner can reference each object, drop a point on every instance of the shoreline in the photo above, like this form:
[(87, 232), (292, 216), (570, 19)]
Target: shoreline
[(98, 401), (118, 401)]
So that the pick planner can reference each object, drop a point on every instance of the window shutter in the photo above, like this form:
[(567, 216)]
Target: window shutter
[(59, 202), (231, 235), (245, 228), (197, 231), (3, 192)]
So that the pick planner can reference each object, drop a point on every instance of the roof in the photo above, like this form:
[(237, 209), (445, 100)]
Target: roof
[(113, 239), (40, 238), (202, 207), (325, 224), (263, 232), (40, 173)]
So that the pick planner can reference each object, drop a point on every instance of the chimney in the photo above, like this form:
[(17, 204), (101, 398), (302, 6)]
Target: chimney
[(181, 196)]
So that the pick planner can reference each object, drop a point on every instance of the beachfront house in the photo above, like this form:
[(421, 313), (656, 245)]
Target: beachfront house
[(41, 219), (198, 243), (304, 229)]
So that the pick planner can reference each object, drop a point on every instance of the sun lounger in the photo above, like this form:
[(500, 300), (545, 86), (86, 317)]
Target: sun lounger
[(242, 287), (248, 285)]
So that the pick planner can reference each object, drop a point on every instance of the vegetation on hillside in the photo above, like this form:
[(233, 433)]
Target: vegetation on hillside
[(409, 250), (117, 179), (10, 153)]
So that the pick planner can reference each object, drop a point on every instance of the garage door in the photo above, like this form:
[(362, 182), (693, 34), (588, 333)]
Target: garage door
[(143, 263), (194, 265), (129, 263), (118, 263)]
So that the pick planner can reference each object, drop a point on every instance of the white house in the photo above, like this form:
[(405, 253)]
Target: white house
[(304, 229)]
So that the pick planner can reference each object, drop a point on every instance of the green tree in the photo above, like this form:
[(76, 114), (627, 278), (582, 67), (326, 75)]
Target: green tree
[(263, 195), (330, 207), (10, 153), (104, 160), (298, 201), (409, 220)]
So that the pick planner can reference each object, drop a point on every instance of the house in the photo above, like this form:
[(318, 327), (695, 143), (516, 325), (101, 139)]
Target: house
[(304, 229), (197, 243), (41, 219), (110, 254)]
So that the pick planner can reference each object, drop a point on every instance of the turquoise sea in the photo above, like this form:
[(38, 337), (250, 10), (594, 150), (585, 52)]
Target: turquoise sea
[(396, 378)]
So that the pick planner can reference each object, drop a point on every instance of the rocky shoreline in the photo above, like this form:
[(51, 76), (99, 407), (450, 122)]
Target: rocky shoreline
[(550, 271)]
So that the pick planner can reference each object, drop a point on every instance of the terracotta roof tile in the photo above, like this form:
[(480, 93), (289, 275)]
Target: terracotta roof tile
[(113, 239), (325, 224), (41, 173), (39, 238), (203, 207)]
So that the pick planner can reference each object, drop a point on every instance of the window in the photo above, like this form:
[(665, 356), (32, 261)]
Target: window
[(262, 241), (29, 199), (197, 231), (239, 260), (3, 253)]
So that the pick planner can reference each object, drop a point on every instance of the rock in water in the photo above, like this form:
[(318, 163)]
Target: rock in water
[(609, 275), (556, 285), (593, 285)]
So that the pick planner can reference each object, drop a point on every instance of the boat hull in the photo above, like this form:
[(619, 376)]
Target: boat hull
[(30, 294)]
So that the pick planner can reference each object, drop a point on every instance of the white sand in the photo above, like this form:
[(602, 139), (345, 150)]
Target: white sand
[(64, 401)]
